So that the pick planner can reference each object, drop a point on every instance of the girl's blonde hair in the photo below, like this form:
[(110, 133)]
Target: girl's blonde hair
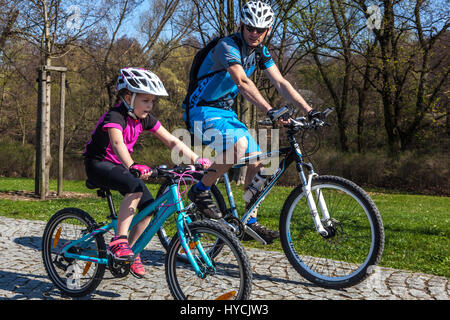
[(122, 93)]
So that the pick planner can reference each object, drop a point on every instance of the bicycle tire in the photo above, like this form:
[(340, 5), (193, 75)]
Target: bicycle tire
[(236, 264), (305, 248), (57, 267), (164, 234)]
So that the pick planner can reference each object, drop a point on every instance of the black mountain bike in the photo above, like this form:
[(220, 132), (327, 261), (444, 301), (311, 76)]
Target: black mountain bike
[(330, 229)]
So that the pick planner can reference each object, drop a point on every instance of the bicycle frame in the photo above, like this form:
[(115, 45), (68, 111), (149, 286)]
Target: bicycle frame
[(173, 204), (291, 154)]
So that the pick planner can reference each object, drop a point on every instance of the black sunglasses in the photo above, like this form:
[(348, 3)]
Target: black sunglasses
[(258, 30)]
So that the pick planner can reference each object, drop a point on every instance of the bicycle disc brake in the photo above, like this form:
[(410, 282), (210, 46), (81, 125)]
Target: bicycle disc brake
[(335, 231)]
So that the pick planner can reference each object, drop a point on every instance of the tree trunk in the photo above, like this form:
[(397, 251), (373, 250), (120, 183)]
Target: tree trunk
[(387, 92), (362, 97)]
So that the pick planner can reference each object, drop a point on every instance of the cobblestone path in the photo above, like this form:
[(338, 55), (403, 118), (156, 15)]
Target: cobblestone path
[(22, 275)]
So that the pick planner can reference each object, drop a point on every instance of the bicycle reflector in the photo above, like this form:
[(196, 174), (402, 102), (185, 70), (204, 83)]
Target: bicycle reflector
[(191, 246), (86, 268), (57, 236), (227, 296)]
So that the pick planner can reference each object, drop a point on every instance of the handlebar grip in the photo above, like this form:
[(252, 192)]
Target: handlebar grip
[(136, 173), (327, 111), (155, 173)]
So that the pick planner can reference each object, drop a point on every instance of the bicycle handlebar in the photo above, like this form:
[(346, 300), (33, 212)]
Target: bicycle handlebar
[(299, 122), (162, 171), (172, 172)]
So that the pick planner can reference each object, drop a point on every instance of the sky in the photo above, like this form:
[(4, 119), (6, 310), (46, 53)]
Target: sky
[(130, 27)]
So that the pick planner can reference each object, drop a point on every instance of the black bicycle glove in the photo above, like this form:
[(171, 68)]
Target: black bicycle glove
[(314, 114), (282, 113), (270, 114)]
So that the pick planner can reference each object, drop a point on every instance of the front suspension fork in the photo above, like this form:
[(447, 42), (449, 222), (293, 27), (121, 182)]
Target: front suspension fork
[(307, 190)]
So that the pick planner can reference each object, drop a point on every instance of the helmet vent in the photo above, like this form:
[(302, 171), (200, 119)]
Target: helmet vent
[(133, 83)]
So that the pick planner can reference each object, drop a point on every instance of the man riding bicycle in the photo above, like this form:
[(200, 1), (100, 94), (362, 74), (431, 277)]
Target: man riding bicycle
[(223, 73)]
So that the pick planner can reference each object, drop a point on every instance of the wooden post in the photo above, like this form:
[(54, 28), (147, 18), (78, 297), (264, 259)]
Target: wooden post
[(43, 156), (46, 136), (61, 133), (42, 144), (38, 163)]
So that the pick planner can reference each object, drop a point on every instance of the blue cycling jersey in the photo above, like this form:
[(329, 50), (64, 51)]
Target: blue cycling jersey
[(212, 93), (216, 87)]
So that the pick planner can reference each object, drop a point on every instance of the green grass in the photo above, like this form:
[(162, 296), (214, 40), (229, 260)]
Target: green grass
[(417, 228), (43, 210)]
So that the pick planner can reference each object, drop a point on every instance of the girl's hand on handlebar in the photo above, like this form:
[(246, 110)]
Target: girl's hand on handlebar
[(204, 162), (140, 171)]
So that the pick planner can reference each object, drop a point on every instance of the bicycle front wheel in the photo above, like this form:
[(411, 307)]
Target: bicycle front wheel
[(231, 278), (355, 237)]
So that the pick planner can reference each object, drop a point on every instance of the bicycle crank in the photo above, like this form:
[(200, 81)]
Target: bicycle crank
[(119, 269), (235, 225)]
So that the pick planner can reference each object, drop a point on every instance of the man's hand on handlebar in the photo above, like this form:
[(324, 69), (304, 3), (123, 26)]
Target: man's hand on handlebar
[(314, 114), (282, 115)]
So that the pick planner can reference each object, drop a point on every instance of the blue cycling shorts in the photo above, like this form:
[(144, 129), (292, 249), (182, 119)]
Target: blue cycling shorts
[(221, 130)]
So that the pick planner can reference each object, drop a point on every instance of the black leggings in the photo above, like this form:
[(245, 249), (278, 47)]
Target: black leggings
[(117, 177)]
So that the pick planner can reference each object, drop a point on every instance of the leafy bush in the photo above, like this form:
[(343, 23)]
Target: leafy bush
[(16, 159)]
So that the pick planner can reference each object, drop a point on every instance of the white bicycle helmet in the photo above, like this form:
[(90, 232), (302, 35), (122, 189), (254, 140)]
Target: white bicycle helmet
[(138, 80), (257, 14)]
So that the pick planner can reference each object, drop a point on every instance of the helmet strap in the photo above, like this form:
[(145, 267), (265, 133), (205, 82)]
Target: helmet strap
[(130, 106)]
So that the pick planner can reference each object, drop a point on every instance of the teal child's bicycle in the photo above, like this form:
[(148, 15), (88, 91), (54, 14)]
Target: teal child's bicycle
[(204, 261)]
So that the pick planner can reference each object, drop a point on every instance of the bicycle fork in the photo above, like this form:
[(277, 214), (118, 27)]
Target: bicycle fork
[(313, 207), (188, 242), (307, 190)]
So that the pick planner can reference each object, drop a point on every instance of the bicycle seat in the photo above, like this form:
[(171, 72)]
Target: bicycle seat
[(92, 185)]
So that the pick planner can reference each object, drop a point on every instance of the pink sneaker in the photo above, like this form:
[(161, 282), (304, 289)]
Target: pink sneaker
[(137, 268), (120, 250)]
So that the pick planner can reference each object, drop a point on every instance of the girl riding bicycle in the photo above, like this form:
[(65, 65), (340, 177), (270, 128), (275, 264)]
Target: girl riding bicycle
[(108, 160)]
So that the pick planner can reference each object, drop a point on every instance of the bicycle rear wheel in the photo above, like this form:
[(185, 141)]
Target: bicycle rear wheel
[(356, 235), (232, 277), (74, 278)]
